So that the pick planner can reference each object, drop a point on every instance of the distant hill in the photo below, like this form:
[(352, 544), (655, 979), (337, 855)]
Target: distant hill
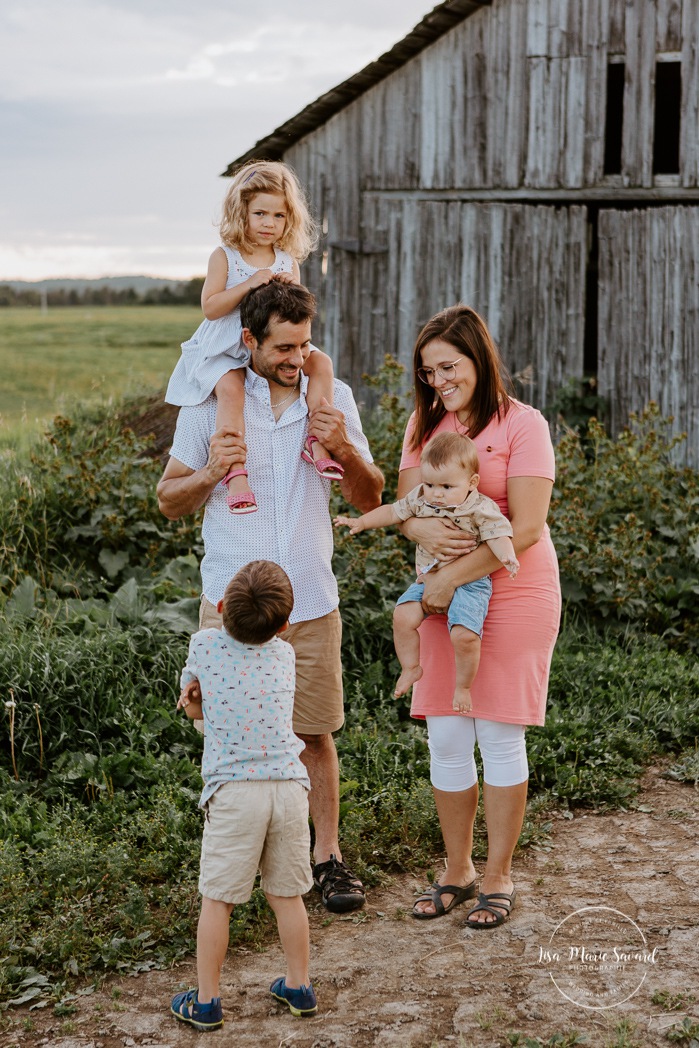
[(140, 284)]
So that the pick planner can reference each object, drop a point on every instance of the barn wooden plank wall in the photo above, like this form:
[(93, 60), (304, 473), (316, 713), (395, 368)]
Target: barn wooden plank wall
[(522, 267), (419, 183), (649, 315)]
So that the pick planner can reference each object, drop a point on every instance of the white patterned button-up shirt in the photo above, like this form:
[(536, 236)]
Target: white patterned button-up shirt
[(292, 525)]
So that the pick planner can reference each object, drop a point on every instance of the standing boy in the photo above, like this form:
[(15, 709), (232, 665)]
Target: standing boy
[(255, 786)]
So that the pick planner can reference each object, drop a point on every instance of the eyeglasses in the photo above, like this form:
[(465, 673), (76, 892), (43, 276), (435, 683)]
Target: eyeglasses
[(428, 375)]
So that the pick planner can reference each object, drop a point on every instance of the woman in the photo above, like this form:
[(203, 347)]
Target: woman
[(459, 386)]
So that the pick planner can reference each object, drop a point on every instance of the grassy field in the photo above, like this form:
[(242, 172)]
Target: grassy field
[(50, 360)]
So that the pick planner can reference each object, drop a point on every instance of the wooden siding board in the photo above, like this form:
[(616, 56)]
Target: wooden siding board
[(494, 246), (539, 123), (516, 95), (689, 127), (471, 157), (537, 29), (377, 288), (669, 25), (617, 27), (408, 320), (575, 29), (637, 145), (507, 101), (596, 31), (497, 80), (429, 121), (608, 290), (470, 257), (572, 160), (558, 28)]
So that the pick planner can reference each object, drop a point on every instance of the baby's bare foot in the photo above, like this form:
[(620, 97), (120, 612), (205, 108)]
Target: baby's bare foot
[(406, 680), (462, 700)]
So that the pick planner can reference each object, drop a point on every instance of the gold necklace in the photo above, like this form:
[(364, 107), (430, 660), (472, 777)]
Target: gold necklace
[(284, 399)]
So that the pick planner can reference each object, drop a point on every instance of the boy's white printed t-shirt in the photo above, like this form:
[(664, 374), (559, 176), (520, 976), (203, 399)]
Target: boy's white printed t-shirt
[(247, 695), (292, 525)]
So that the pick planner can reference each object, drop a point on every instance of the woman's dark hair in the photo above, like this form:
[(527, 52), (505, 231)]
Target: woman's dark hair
[(257, 602), (468, 333)]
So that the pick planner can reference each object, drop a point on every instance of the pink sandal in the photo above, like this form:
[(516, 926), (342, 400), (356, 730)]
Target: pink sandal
[(327, 468), (243, 501)]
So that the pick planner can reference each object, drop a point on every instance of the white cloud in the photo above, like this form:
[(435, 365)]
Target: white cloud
[(83, 261), (117, 116)]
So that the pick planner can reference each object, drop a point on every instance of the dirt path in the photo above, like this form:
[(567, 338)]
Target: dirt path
[(388, 981)]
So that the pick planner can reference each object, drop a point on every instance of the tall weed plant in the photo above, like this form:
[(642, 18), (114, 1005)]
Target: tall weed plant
[(625, 524), (80, 516), (90, 715)]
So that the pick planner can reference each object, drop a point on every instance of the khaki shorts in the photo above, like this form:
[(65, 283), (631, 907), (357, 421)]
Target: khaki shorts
[(251, 826), (318, 708)]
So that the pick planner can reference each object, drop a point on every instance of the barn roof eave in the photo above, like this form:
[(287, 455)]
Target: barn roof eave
[(435, 24)]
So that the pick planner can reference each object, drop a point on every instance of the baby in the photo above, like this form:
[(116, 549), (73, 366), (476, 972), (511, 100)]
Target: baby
[(449, 489)]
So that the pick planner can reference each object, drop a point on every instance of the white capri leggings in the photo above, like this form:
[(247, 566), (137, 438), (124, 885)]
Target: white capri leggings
[(453, 766)]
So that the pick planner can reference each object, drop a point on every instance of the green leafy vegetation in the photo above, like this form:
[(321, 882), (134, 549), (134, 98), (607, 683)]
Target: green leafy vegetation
[(557, 1040), (99, 777), (686, 1032)]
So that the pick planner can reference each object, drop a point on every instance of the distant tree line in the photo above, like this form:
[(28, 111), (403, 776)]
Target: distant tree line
[(186, 293)]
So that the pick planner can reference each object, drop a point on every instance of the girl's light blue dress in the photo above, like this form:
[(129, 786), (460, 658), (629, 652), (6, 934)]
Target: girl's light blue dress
[(217, 346)]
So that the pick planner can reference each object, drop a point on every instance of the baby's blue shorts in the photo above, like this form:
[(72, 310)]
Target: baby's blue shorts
[(469, 605)]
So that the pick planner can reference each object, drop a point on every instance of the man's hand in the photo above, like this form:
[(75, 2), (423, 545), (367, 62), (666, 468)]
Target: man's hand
[(328, 425), (227, 451), (362, 483)]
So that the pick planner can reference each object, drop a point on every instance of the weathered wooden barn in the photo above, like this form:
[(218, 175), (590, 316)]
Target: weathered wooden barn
[(537, 159)]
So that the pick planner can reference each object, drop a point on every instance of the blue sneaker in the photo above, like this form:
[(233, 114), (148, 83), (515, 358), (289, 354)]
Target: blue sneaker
[(301, 1002), (187, 1009)]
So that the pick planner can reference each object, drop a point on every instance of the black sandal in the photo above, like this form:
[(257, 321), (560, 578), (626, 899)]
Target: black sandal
[(340, 890), (493, 903), (434, 895)]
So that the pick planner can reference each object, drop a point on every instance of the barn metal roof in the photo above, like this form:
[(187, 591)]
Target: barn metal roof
[(435, 24)]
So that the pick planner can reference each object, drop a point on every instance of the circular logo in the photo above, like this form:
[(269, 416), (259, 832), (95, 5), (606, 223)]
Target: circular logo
[(597, 957)]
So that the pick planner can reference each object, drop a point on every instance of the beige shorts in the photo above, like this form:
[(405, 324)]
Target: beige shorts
[(318, 708), (251, 826)]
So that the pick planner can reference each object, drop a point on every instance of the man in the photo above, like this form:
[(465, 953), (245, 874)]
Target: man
[(292, 527)]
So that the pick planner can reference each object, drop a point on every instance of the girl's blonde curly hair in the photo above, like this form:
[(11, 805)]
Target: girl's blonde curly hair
[(300, 235)]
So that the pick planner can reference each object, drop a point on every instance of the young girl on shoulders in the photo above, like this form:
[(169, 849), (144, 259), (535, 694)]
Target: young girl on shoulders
[(266, 230)]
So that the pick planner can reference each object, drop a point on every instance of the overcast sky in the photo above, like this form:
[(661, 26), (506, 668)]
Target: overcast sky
[(118, 116)]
